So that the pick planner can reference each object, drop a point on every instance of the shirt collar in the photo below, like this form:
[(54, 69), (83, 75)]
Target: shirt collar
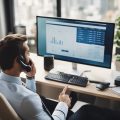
[(10, 79)]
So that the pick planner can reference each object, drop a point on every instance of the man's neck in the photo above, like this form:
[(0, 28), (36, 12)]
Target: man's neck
[(12, 72)]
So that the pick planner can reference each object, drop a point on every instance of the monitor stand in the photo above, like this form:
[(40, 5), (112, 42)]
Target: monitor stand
[(74, 66), (74, 69)]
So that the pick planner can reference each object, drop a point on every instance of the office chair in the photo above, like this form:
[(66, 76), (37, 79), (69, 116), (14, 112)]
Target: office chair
[(6, 110)]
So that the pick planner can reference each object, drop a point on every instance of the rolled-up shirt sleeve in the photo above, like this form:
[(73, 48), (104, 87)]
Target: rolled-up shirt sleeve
[(60, 112), (31, 84)]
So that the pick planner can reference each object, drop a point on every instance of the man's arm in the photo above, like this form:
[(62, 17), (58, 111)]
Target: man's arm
[(61, 109), (30, 81)]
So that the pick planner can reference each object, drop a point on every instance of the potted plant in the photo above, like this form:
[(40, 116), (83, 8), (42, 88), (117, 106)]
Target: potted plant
[(117, 36), (117, 42)]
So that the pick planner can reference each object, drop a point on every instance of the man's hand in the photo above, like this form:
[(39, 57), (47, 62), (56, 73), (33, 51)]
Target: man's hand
[(33, 71), (63, 97)]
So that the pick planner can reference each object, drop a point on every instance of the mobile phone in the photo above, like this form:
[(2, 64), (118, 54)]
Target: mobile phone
[(21, 61)]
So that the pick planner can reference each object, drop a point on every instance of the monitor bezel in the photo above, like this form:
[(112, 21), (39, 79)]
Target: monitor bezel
[(60, 18)]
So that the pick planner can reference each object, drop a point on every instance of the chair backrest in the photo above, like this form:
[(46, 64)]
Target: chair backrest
[(6, 110)]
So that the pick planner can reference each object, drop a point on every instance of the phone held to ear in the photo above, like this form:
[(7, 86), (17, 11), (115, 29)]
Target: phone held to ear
[(24, 66)]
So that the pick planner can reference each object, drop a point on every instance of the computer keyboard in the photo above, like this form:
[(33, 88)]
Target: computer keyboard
[(67, 78)]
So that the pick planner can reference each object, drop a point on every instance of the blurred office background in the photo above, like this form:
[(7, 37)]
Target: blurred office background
[(19, 16)]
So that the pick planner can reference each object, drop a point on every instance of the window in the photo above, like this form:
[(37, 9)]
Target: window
[(96, 10), (26, 12)]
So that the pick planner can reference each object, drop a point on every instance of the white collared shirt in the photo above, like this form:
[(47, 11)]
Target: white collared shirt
[(25, 101)]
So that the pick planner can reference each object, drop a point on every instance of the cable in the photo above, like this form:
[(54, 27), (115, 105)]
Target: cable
[(84, 72), (113, 86)]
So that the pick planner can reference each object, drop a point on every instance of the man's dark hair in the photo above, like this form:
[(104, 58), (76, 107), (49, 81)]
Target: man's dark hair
[(10, 47)]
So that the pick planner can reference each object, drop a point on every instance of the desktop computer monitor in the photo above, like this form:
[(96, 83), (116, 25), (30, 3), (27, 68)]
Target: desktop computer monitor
[(79, 41)]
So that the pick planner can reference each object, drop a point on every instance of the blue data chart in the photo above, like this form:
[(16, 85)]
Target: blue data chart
[(56, 42), (90, 36)]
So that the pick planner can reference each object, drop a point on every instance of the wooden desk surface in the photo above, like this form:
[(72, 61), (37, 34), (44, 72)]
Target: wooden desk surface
[(95, 74)]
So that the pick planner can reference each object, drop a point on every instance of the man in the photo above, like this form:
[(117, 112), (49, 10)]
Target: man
[(14, 54)]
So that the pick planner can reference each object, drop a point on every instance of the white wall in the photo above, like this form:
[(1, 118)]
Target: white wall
[(2, 20)]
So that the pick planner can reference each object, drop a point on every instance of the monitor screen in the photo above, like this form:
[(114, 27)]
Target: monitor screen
[(79, 41)]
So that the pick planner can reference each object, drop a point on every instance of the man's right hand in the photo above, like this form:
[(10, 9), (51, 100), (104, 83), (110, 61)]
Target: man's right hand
[(33, 69), (63, 97)]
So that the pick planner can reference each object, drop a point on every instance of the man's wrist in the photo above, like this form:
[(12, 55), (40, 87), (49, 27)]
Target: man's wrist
[(30, 77)]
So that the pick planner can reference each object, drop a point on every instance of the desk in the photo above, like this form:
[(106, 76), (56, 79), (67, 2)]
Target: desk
[(95, 74)]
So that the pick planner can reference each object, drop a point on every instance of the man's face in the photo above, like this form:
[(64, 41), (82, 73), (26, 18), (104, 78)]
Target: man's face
[(27, 52)]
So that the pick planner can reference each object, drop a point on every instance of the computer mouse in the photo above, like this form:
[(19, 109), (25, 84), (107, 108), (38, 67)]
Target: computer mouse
[(102, 86), (117, 81)]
